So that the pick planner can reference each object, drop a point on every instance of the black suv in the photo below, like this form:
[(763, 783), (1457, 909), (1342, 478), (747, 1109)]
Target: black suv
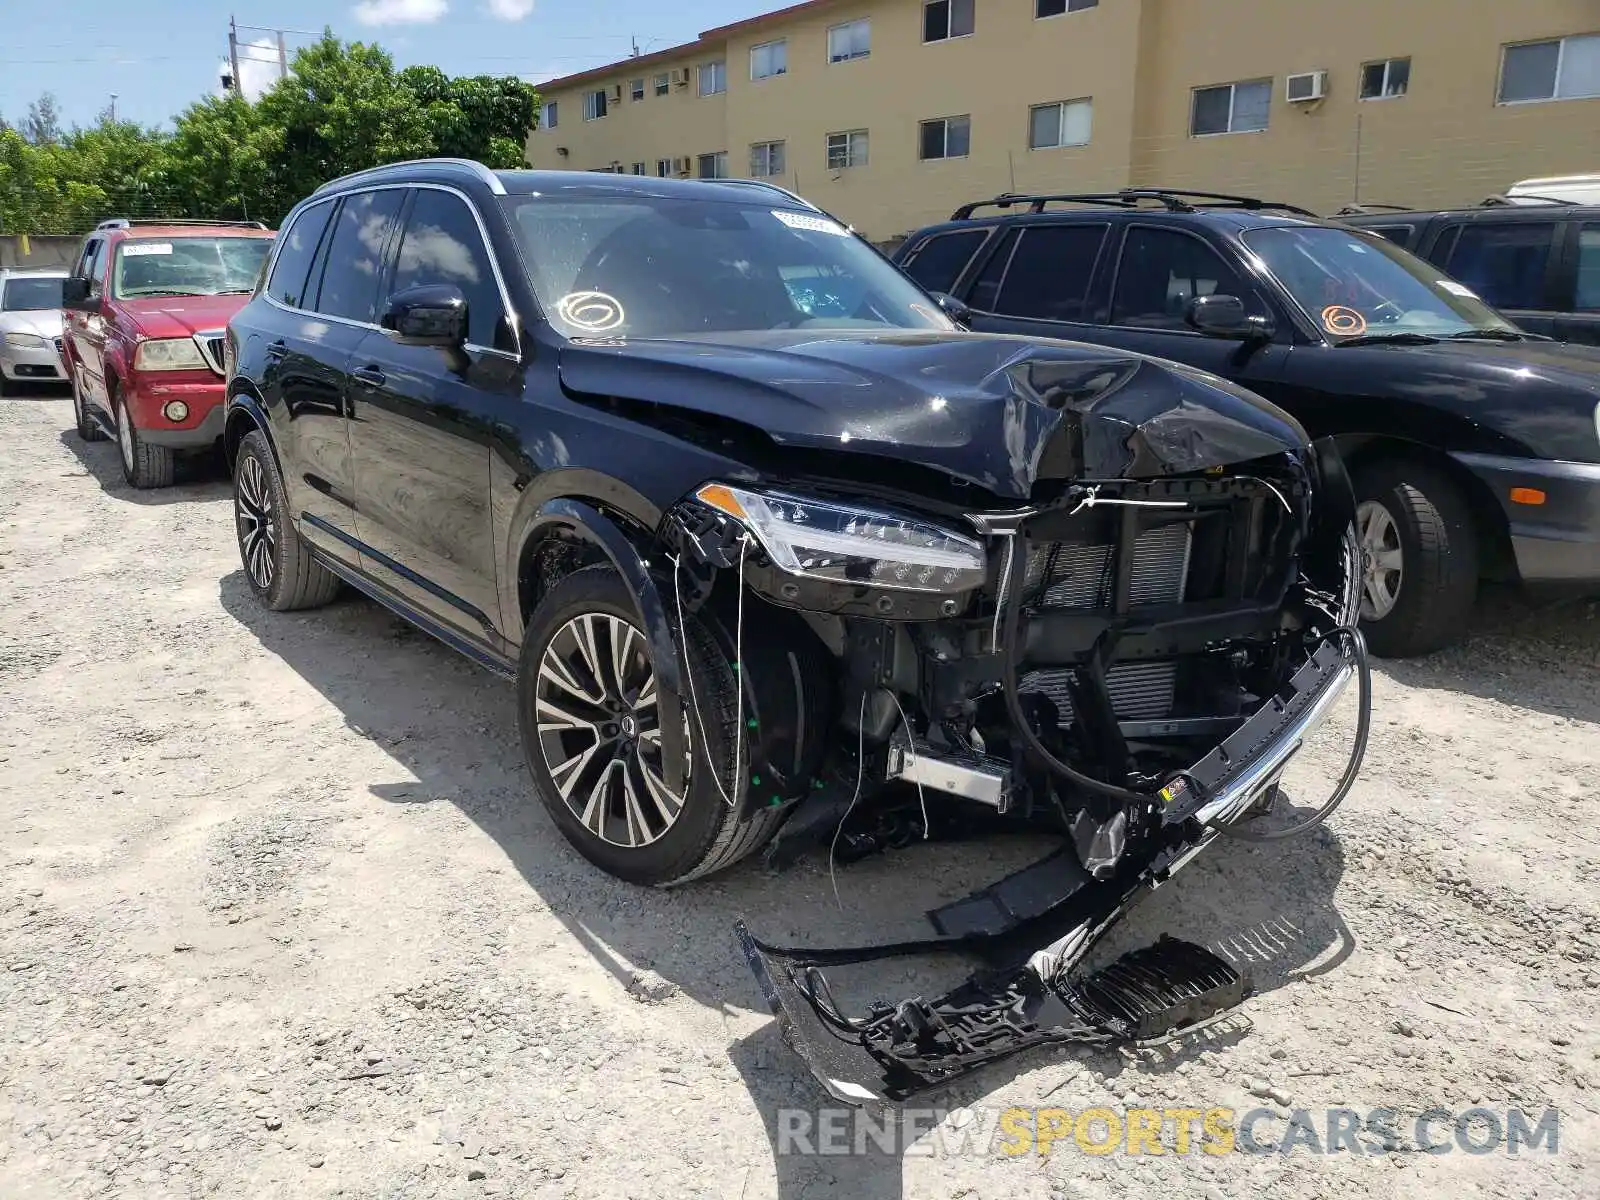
[(1538, 264), (754, 524), (1474, 448)]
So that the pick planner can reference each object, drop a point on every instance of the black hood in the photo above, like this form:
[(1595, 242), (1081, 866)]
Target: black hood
[(1000, 412)]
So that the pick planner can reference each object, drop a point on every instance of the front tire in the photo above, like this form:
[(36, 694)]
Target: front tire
[(88, 428), (143, 465), (277, 563), (585, 707), (1419, 558)]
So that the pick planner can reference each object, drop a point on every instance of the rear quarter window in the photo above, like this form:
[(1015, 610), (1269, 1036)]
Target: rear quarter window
[(938, 262)]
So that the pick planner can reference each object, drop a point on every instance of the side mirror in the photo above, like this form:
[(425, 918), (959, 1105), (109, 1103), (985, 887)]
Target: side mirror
[(1226, 317), (75, 293), (432, 315), (955, 309)]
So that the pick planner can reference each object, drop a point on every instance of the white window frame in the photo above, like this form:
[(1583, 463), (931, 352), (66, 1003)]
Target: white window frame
[(637, 169), (661, 85), (765, 170), (1061, 107), (1555, 96), (595, 105), (550, 117), (1233, 98), (842, 25), (849, 145), (781, 45), (719, 165), (1067, 10), (949, 21), (664, 168), (1388, 67), (945, 121), (636, 88), (718, 70)]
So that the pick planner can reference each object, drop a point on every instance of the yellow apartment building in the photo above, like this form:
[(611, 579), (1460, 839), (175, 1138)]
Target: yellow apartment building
[(890, 113)]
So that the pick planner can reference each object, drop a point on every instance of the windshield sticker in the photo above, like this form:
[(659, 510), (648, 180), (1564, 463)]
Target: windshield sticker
[(796, 220), (592, 312), (1458, 289), (1343, 322), (139, 249)]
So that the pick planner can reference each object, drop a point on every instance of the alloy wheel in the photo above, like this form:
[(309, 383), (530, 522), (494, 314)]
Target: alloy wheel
[(1381, 560), (258, 526), (599, 730), (125, 437)]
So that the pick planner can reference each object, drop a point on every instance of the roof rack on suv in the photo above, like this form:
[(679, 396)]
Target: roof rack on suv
[(1521, 200), (126, 223), (1172, 199), (483, 173), (1366, 206)]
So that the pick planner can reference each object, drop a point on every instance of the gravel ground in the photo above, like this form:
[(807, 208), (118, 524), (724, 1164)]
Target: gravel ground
[(279, 917)]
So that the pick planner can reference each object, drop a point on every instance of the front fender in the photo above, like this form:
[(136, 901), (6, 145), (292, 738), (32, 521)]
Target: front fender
[(244, 412), (577, 519)]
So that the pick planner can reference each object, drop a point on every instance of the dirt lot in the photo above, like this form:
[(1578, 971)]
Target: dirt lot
[(278, 917)]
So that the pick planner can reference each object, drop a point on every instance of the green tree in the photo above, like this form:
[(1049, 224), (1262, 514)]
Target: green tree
[(43, 123)]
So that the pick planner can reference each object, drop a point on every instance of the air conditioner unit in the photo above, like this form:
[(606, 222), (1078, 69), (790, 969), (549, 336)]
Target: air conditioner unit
[(682, 166), (614, 94), (1305, 87), (680, 76)]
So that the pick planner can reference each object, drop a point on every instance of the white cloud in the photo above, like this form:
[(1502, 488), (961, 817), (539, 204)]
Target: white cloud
[(401, 12), (510, 10), (258, 68)]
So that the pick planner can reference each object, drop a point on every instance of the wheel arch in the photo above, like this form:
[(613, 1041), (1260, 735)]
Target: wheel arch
[(245, 413)]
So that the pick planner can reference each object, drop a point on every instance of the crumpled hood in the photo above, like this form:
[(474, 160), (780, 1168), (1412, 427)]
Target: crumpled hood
[(41, 322), (998, 411), (182, 316)]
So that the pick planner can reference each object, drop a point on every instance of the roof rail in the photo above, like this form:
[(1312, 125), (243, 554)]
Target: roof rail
[(1172, 199), (113, 223), (1356, 210), (484, 174), (125, 223), (1518, 201)]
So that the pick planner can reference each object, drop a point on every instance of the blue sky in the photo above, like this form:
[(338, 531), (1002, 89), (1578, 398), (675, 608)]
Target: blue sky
[(167, 56)]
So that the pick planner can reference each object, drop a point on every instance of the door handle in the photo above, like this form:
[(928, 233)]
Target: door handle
[(276, 350), (371, 376)]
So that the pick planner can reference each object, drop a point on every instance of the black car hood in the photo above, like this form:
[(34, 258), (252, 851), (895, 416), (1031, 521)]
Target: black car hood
[(997, 411)]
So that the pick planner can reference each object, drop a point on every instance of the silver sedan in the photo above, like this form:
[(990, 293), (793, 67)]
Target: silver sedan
[(30, 327)]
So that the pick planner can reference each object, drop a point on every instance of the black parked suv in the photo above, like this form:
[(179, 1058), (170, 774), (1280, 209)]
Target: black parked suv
[(1538, 264), (753, 523), (1474, 447)]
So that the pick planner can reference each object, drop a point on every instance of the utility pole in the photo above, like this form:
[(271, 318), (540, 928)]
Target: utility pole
[(635, 42), (283, 58), (233, 53), (113, 108)]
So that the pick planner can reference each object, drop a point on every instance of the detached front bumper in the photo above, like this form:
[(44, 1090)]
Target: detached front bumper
[(1035, 929), (1554, 517)]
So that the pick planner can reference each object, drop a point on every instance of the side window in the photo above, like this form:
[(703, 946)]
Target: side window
[(986, 287), (1505, 264), (442, 244), (1050, 272), (355, 255), (1162, 270), (938, 261), (298, 247), (90, 266), (1399, 234), (1588, 297)]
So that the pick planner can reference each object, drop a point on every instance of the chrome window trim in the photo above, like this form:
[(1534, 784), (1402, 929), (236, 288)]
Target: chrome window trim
[(483, 236)]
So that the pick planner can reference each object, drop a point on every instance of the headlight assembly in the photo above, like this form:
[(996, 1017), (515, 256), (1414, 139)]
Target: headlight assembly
[(845, 544), (25, 341), (168, 354)]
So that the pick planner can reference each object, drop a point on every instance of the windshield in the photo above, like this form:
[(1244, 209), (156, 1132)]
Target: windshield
[(1353, 285), (651, 266), (200, 266), (23, 294)]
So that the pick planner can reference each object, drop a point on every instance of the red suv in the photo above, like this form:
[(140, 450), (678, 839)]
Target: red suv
[(147, 308)]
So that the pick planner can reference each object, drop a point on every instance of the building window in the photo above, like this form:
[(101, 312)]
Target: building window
[(1054, 8), (946, 137), (663, 168), (1065, 124), (663, 84), (946, 19), (594, 105), (766, 158), (853, 39), (636, 89), (548, 121), (714, 166), (1384, 79), (847, 149), (769, 59), (1565, 69), (1231, 108), (713, 78), (636, 169)]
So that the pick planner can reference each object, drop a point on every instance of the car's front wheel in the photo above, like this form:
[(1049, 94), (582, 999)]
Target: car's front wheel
[(587, 703), (279, 566), (1419, 558), (143, 465), (88, 428)]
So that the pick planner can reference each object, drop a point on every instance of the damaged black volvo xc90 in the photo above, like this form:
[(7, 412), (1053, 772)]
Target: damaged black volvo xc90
[(768, 541)]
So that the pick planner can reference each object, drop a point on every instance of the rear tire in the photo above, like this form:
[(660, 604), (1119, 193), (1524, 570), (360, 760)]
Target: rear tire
[(1419, 558), (143, 465), (278, 565), (706, 834)]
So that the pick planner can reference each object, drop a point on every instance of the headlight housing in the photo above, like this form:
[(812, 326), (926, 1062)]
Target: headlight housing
[(838, 543), (168, 354), (26, 341)]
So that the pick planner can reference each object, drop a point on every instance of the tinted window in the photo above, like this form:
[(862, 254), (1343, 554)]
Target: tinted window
[(93, 262), (355, 255), (986, 287), (1049, 275), (1161, 271), (937, 265), (1505, 264), (442, 244), (1589, 268), (1399, 234), (288, 282), (31, 294)]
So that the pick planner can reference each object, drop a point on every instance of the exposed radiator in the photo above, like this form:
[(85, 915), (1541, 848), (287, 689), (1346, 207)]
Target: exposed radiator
[(1066, 575)]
